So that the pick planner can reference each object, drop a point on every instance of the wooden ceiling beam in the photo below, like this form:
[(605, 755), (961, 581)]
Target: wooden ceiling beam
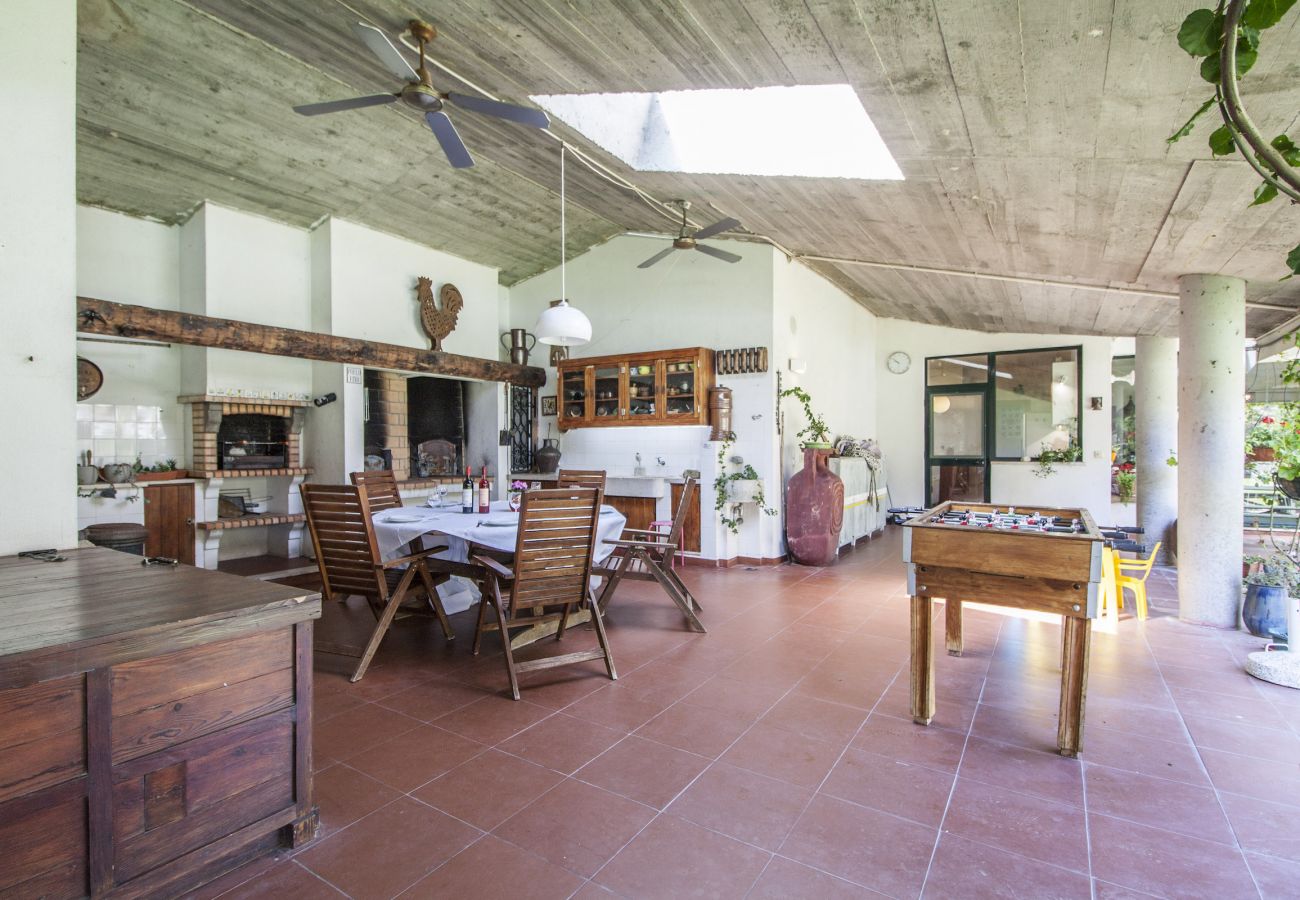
[(104, 317)]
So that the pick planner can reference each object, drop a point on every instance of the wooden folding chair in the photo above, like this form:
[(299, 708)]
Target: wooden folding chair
[(381, 488), (649, 558), (578, 478), (338, 517), (551, 568)]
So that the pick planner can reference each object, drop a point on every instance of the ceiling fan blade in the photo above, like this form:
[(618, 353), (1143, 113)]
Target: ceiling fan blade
[(717, 228), (658, 256), (451, 143), (719, 254), (383, 48), (316, 109), (524, 115)]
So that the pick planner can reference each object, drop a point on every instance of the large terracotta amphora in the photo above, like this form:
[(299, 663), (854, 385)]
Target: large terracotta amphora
[(814, 510)]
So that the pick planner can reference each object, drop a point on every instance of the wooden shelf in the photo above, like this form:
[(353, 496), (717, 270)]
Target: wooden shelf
[(285, 471), (252, 521)]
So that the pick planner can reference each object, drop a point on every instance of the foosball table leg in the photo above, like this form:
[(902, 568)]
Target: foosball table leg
[(1074, 684), (922, 660), (952, 630)]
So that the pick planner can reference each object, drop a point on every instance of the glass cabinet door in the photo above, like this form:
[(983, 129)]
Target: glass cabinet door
[(681, 397), (573, 396), (641, 393), (607, 392)]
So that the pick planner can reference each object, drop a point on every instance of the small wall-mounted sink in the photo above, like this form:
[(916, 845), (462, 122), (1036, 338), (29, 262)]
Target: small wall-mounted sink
[(635, 486), (743, 490)]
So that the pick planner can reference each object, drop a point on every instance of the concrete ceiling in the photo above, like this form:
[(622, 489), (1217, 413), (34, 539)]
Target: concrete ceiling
[(1031, 136)]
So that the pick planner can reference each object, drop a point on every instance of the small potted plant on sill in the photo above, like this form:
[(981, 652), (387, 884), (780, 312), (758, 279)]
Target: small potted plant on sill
[(1262, 438), (814, 500), (1125, 482), (1263, 612)]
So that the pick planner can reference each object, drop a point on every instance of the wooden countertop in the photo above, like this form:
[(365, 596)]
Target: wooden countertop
[(99, 595)]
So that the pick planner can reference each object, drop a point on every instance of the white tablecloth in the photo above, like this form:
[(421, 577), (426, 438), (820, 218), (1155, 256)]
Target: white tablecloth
[(448, 525)]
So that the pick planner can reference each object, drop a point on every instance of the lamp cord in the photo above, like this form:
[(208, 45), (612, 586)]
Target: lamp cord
[(564, 293)]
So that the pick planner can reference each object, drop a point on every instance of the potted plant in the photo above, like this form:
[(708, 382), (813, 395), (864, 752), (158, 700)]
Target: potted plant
[(732, 489), (1261, 440), (1264, 610), (163, 471), (1125, 481), (1250, 564), (814, 498), (1047, 458)]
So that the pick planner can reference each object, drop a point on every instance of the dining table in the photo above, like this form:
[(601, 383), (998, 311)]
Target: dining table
[(464, 534)]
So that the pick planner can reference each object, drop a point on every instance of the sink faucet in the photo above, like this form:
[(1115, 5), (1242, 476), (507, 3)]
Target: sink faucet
[(640, 469), (660, 461)]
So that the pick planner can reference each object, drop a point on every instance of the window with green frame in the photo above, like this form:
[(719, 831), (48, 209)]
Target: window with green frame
[(1035, 398)]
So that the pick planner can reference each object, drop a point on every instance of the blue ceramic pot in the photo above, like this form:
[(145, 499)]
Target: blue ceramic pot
[(1264, 610)]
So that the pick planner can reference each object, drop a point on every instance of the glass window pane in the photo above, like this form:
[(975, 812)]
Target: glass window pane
[(1122, 411), (957, 425), (957, 370), (1036, 396)]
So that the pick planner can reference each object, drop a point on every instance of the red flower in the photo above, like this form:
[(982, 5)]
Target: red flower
[(1126, 467), (1268, 420)]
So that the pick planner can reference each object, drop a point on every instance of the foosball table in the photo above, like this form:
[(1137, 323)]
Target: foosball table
[(1034, 558)]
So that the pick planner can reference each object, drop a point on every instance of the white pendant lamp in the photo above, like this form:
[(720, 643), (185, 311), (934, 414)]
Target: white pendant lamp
[(562, 324)]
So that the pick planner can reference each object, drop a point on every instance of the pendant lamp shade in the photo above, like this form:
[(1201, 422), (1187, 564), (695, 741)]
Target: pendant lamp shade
[(562, 325)]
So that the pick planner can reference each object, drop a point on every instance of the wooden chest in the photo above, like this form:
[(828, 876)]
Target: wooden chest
[(155, 725)]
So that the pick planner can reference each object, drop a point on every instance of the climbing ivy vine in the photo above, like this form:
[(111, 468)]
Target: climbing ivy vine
[(1202, 37)]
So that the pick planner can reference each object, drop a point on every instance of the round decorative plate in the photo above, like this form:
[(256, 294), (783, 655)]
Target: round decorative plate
[(89, 378)]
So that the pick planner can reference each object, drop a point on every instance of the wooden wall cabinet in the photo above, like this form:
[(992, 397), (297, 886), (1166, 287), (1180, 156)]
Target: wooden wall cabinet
[(663, 387), (155, 725)]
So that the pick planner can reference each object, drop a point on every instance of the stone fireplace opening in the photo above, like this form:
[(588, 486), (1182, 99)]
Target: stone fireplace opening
[(253, 441), (415, 424)]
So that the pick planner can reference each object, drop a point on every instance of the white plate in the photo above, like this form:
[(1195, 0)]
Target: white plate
[(501, 520), (401, 519)]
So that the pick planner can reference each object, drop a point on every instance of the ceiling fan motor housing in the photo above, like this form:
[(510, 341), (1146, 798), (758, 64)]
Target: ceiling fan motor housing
[(422, 97)]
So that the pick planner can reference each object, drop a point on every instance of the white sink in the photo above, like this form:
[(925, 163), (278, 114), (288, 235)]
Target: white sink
[(635, 486)]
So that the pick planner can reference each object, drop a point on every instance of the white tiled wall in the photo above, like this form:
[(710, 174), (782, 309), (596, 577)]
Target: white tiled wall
[(614, 449), (127, 506), (118, 433)]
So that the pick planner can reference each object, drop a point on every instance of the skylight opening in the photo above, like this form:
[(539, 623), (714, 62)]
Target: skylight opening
[(814, 131)]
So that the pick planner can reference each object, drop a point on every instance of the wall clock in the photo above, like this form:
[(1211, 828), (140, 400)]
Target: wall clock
[(898, 362), (89, 378)]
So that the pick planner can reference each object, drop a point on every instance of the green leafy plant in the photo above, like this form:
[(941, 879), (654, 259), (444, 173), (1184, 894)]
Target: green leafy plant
[(139, 466), (1125, 482), (1172, 460), (1265, 432), (817, 430), (1279, 570), (1047, 459), (730, 513), (1202, 36)]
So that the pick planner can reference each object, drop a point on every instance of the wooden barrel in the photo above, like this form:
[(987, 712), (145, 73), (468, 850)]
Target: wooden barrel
[(125, 536), (720, 413)]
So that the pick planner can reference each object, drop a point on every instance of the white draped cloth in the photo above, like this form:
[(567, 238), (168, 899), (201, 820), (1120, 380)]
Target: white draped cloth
[(497, 529)]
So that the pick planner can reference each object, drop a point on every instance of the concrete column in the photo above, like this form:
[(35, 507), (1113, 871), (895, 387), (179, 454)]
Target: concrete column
[(1211, 410), (1155, 389)]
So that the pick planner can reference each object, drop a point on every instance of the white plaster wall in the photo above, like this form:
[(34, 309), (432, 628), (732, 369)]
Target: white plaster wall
[(37, 275), (372, 285), (687, 300), (900, 403)]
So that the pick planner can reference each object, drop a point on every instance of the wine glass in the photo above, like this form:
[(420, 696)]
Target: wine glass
[(442, 493)]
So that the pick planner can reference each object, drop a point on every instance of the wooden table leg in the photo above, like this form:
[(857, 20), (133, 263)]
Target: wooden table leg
[(953, 632), (922, 660), (1074, 684)]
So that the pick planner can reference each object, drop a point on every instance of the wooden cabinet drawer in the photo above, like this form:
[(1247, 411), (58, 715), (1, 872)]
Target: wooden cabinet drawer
[(167, 700), (170, 803), (43, 844), (42, 735)]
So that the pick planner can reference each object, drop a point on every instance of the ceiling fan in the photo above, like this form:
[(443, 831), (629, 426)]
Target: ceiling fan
[(418, 92), (686, 240)]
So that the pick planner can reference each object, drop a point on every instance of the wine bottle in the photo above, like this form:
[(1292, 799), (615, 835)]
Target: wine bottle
[(484, 493), (467, 492)]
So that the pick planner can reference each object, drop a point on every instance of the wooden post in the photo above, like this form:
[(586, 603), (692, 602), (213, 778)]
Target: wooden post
[(953, 630), (922, 660), (1074, 684), (124, 320)]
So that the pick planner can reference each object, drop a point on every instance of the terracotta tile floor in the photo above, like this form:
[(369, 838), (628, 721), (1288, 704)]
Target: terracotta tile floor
[(773, 757)]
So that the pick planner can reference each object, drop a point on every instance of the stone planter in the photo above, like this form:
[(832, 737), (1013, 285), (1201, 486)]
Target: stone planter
[(744, 490), (814, 510)]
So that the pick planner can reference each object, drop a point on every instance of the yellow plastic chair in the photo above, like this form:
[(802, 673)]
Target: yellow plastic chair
[(1132, 574), (1111, 597)]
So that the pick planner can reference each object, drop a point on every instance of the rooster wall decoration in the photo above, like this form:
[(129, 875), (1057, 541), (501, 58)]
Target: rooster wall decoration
[(438, 322)]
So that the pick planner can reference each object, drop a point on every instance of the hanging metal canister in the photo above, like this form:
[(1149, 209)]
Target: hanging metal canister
[(720, 413)]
